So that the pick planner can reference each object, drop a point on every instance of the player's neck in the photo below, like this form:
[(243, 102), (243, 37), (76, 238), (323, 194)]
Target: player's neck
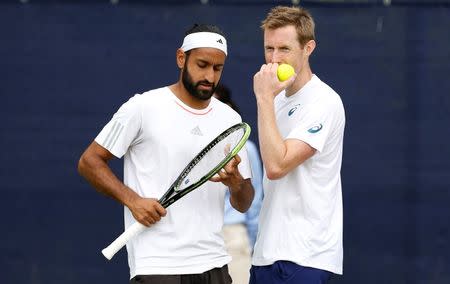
[(303, 77), (183, 95)]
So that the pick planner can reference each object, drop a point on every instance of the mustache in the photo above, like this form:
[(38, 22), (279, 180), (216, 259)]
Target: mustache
[(205, 83)]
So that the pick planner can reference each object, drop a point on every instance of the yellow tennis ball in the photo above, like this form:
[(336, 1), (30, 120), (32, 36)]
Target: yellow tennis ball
[(284, 72)]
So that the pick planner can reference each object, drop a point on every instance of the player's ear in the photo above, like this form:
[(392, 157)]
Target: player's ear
[(309, 47), (181, 58)]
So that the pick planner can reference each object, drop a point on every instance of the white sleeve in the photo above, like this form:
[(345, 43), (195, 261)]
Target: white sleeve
[(316, 126), (123, 129), (244, 166)]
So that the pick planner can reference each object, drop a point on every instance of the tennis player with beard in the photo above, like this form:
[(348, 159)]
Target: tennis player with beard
[(158, 133)]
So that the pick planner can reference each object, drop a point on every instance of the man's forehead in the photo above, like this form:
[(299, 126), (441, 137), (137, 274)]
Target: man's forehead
[(278, 38), (208, 54)]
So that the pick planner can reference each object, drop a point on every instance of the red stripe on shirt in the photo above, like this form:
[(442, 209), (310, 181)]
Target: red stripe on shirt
[(192, 111)]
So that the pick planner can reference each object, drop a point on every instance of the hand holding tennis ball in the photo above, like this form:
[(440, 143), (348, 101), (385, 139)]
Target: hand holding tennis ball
[(267, 85), (284, 72)]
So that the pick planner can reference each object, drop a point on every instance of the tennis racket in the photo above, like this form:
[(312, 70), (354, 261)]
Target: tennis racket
[(205, 165)]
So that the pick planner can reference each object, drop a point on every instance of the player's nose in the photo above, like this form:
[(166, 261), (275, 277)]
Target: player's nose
[(209, 75)]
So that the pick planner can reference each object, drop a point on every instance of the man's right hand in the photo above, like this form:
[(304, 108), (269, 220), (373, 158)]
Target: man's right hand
[(147, 211), (266, 84)]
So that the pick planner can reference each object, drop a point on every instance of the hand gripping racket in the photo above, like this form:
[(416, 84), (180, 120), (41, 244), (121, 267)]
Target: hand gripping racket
[(205, 165)]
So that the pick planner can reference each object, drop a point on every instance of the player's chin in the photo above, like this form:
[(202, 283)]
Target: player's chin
[(205, 94)]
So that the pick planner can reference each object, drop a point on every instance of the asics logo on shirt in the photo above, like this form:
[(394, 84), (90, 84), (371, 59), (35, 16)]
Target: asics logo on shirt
[(292, 110), (315, 128), (196, 131)]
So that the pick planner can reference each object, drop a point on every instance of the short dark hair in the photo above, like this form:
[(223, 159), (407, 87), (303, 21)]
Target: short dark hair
[(197, 28)]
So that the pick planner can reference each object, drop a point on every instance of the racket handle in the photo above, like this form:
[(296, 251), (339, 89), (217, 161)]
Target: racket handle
[(118, 243)]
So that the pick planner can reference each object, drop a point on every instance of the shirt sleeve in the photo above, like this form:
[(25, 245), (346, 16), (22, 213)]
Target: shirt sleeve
[(122, 130), (315, 126), (244, 166), (252, 214)]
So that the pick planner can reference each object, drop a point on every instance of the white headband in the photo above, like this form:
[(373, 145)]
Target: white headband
[(204, 39)]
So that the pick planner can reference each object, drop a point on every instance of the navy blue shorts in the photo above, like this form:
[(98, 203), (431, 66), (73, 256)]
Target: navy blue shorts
[(287, 272)]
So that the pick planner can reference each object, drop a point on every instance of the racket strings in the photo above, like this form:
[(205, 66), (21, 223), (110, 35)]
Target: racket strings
[(197, 159), (211, 157)]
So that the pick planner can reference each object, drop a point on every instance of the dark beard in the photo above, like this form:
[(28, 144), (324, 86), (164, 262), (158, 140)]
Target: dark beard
[(192, 88)]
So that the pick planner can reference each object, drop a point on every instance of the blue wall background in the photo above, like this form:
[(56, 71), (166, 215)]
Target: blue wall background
[(66, 66)]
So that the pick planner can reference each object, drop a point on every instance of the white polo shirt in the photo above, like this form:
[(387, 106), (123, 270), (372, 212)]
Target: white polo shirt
[(158, 135), (301, 215)]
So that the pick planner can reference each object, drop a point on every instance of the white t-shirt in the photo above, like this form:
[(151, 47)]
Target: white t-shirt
[(301, 215), (159, 135)]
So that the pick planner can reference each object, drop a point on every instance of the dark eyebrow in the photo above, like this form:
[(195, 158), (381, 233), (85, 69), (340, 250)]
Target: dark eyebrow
[(209, 63), (278, 47)]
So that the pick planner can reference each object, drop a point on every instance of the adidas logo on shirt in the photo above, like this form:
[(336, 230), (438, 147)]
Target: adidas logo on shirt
[(196, 131)]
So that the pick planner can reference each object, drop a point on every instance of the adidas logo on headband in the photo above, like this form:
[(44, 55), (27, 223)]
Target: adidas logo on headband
[(204, 39)]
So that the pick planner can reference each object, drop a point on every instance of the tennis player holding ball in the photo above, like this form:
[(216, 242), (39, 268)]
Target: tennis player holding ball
[(301, 127), (158, 133)]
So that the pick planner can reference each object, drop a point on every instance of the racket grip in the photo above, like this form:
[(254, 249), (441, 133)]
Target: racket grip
[(118, 243)]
